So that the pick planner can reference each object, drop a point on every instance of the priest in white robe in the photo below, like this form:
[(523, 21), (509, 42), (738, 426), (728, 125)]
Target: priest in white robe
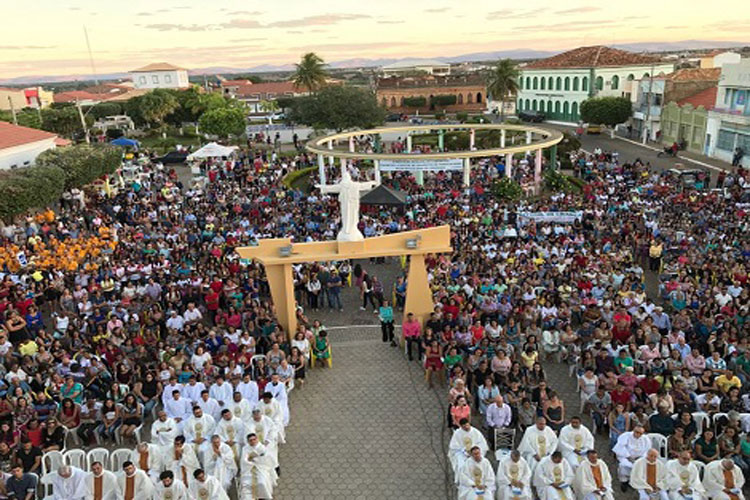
[(69, 483), (181, 459), (279, 392), (272, 409), (241, 408), (249, 390), (574, 441), (170, 488), (514, 478), (148, 458), (101, 484), (538, 441), (219, 461), (724, 480), (163, 431), (198, 429), (476, 479), (193, 389), (167, 393), (265, 429), (463, 440), (683, 479), (209, 405), (630, 447), (258, 476), (178, 409), (221, 391), (231, 430), (134, 483), (553, 478), (204, 487), (649, 477), (593, 480)]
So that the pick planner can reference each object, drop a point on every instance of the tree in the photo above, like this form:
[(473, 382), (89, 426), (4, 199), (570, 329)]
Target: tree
[(608, 111), (269, 107), (503, 83), (26, 117), (29, 187), (310, 73), (152, 108), (64, 121), (223, 121), (105, 109), (82, 164), (338, 108)]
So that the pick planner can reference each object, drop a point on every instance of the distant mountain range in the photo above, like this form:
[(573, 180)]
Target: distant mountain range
[(520, 54)]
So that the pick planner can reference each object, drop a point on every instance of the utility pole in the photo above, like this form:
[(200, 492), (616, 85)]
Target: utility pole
[(13, 110), (83, 122), (646, 124), (91, 56)]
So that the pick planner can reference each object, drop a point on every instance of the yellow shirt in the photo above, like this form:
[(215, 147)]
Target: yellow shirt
[(724, 383), (28, 349), (529, 360)]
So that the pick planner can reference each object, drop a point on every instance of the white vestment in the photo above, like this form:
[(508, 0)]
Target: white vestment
[(249, 391), (154, 463), (178, 409), (585, 483), (110, 490), (175, 491), (715, 483), (508, 472), (220, 464), (163, 433), (210, 489), (232, 430), (548, 473), (574, 443), (476, 480), (196, 429), (143, 487), (242, 410), (69, 488), (193, 392), (265, 429), (629, 449), (680, 477), (274, 411), (166, 394), (461, 444), (210, 407), (536, 442), (280, 395), (639, 479), (182, 467), (256, 480), (221, 393)]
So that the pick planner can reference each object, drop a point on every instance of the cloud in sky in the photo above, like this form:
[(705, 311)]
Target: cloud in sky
[(437, 10), (578, 10), (385, 21), (320, 20), (245, 13), (513, 14), (180, 27), (26, 47)]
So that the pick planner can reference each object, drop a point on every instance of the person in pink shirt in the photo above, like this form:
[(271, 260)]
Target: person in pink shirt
[(411, 330), (695, 362)]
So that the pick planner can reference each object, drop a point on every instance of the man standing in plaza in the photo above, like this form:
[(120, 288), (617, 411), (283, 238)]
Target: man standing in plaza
[(333, 287)]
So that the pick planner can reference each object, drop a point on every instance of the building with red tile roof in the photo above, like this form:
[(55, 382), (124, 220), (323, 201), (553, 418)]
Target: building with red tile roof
[(19, 146), (160, 76), (253, 93), (705, 98)]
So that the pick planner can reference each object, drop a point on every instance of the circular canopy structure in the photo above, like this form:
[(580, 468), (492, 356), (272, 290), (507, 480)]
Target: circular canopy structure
[(541, 138)]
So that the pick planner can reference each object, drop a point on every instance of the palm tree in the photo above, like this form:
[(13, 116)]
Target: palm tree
[(503, 82), (311, 73)]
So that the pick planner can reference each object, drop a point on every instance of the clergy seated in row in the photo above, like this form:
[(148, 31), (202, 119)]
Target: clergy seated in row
[(592, 479), (101, 484), (219, 461), (553, 478), (538, 441), (476, 479), (170, 488), (148, 457), (181, 459), (683, 479), (197, 429), (68, 483), (630, 446), (205, 487), (134, 483), (723, 480), (649, 477), (257, 470), (464, 439), (574, 441), (514, 478)]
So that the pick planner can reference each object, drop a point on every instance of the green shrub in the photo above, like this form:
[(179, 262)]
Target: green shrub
[(415, 102), (28, 188), (462, 117), (292, 178), (556, 181), (507, 189), (82, 164), (443, 100)]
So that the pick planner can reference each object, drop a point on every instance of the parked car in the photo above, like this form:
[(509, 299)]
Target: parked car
[(172, 157), (531, 116), (593, 129)]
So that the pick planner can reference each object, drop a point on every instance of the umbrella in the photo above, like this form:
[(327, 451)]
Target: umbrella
[(125, 142)]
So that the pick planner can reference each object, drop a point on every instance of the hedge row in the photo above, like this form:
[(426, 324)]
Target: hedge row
[(55, 171), (292, 177)]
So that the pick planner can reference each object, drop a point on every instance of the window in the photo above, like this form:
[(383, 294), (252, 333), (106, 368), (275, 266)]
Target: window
[(567, 83), (155, 78), (558, 84), (697, 135), (469, 99), (615, 82), (599, 83), (479, 97), (585, 84), (533, 105), (142, 80), (543, 84), (574, 111), (645, 75), (393, 102), (557, 108), (460, 99), (575, 84), (743, 141), (520, 83), (631, 77), (549, 83), (167, 78), (528, 104), (566, 110), (725, 140), (536, 83), (727, 96), (520, 104), (528, 83)]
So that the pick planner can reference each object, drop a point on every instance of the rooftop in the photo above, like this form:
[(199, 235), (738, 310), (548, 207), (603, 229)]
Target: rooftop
[(430, 81), (161, 66), (410, 63), (596, 56), (695, 74), (247, 88), (15, 135), (705, 98)]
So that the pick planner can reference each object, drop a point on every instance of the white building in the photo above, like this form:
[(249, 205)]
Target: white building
[(19, 146), (429, 66), (557, 86), (729, 121), (160, 76), (719, 58)]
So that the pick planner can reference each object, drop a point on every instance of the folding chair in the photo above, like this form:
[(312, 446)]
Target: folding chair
[(700, 420), (51, 461), (98, 455), (660, 443), (505, 440), (76, 458), (117, 458), (701, 468)]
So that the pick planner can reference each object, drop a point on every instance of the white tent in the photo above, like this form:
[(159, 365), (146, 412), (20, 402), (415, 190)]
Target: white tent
[(212, 150)]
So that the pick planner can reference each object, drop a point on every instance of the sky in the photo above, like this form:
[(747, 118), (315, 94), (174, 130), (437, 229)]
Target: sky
[(48, 38)]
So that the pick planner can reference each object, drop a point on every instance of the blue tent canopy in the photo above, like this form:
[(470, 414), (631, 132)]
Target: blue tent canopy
[(124, 141)]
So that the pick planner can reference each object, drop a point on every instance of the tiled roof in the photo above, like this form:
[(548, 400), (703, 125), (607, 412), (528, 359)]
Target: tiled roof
[(245, 88), (78, 95), (705, 98), (695, 74), (15, 135), (592, 57), (162, 66)]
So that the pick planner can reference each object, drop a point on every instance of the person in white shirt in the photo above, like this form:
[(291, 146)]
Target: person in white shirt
[(575, 440), (181, 459), (193, 389), (249, 390), (168, 391), (134, 483), (593, 480), (197, 430), (69, 483), (148, 458), (463, 440), (192, 314), (219, 461), (209, 405), (221, 391), (278, 391), (257, 477), (630, 447), (164, 430), (101, 484), (724, 480), (240, 407), (178, 409), (175, 322), (538, 441), (476, 479), (231, 431), (553, 478), (649, 477), (683, 478), (272, 409)]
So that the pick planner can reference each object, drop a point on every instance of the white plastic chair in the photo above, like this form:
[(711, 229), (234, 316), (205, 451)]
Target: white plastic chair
[(660, 443), (700, 420), (51, 461), (137, 434), (701, 468), (117, 458), (97, 455), (76, 458), (72, 434)]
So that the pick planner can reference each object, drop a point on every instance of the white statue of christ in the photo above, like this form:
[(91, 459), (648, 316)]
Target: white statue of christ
[(348, 191)]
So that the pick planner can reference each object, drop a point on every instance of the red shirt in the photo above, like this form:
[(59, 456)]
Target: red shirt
[(212, 301), (620, 397)]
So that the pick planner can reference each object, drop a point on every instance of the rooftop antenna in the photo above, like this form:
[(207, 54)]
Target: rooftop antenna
[(91, 56)]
